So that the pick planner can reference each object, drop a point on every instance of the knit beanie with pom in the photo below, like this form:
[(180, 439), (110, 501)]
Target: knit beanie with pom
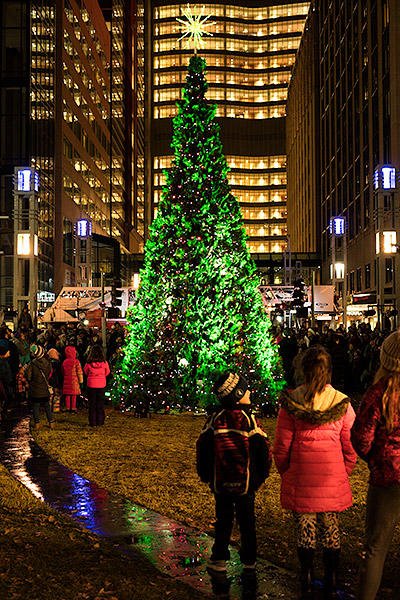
[(390, 352), (36, 351), (230, 388)]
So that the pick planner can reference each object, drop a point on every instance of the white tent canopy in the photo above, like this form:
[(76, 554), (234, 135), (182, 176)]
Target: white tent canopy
[(53, 315)]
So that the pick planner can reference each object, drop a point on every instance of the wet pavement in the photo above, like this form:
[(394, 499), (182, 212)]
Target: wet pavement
[(176, 550)]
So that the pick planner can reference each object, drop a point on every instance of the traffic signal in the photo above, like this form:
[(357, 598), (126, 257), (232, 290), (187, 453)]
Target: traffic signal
[(116, 293), (298, 296), (118, 297)]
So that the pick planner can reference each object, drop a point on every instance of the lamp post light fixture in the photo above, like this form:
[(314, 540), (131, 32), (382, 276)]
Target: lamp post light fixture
[(386, 215), (84, 252), (337, 229)]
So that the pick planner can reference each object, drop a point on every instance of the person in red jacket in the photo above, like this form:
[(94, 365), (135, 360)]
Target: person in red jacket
[(72, 378), (314, 456), (234, 458), (376, 439), (96, 370)]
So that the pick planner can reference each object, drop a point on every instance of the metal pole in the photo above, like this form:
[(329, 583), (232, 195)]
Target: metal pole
[(103, 316), (313, 299), (345, 278), (333, 255)]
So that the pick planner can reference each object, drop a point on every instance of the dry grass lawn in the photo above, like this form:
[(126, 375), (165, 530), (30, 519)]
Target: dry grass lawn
[(152, 463)]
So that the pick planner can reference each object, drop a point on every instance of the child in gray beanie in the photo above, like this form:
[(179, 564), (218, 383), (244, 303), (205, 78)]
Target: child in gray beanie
[(234, 458)]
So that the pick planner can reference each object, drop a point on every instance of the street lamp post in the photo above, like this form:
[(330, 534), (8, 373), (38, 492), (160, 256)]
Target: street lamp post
[(84, 252), (26, 241), (386, 213), (337, 228)]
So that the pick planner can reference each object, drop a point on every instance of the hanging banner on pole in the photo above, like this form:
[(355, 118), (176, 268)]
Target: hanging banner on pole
[(323, 299)]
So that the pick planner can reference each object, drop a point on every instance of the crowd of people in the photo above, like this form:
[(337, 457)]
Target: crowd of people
[(57, 367), (354, 353)]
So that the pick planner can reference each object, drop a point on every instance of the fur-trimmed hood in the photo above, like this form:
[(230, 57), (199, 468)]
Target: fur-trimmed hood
[(328, 407)]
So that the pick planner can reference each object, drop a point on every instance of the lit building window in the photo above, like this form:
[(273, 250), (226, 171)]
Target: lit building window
[(248, 71)]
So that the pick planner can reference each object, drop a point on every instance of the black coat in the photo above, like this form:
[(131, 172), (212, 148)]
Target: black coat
[(6, 377), (37, 373)]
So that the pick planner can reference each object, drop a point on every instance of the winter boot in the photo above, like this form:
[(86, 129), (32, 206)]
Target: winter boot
[(331, 558), (306, 558)]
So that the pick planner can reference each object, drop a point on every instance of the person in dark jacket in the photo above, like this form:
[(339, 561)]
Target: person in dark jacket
[(376, 438), (6, 378), (234, 458), (25, 320), (22, 346), (6, 339), (56, 378), (37, 373)]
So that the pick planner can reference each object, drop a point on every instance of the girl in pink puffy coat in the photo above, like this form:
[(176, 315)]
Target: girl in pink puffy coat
[(314, 456), (96, 370), (72, 378)]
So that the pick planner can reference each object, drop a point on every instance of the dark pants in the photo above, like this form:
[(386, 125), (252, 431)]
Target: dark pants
[(225, 513), (96, 400), (383, 514), (36, 403)]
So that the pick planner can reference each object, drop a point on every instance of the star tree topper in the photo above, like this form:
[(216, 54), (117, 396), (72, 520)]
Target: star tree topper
[(194, 27)]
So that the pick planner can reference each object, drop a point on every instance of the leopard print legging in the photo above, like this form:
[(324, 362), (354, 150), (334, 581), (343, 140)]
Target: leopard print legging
[(327, 524)]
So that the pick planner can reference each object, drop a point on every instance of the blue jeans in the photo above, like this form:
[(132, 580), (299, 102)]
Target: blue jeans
[(45, 402), (383, 514), (225, 513)]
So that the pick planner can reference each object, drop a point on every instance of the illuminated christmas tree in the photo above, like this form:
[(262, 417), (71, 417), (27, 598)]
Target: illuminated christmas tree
[(198, 310)]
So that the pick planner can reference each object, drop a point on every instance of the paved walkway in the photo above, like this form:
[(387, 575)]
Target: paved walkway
[(173, 548)]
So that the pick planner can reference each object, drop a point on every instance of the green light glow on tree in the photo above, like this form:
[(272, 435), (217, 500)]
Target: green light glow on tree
[(198, 309)]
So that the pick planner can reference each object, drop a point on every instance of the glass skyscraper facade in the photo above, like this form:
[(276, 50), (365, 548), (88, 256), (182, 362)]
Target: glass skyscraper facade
[(27, 112), (249, 59), (71, 98)]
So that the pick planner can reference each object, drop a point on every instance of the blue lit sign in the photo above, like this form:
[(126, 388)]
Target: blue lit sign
[(385, 178), (337, 225), (388, 178), (27, 180), (24, 180), (83, 228)]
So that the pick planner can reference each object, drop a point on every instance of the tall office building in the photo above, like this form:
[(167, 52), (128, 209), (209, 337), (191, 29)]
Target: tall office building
[(359, 153), (302, 133), (71, 106), (83, 145), (125, 22), (249, 59), (27, 110)]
